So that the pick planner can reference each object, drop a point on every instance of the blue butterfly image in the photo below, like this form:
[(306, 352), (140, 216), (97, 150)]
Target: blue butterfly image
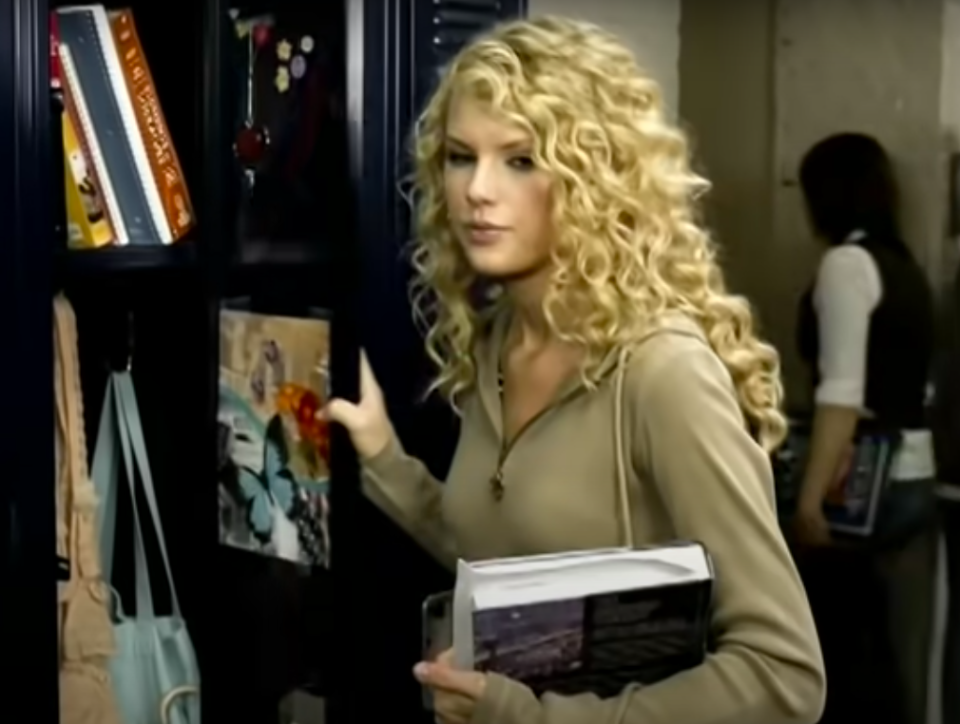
[(274, 486)]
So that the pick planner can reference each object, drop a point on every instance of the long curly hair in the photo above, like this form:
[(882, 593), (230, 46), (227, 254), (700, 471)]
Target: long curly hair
[(629, 245)]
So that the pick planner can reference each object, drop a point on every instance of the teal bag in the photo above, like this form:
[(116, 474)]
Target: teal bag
[(155, 674)]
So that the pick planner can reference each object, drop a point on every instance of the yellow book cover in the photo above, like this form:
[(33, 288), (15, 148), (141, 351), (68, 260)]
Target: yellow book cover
[(87, 222)]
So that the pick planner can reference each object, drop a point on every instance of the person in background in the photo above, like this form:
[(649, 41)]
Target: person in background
[(577, 316), (946, 429), (866, 330)]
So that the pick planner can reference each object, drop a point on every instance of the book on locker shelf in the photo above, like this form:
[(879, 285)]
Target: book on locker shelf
[(591, 621), (58, 200), (87, 222), (124, 184), (274, 452)]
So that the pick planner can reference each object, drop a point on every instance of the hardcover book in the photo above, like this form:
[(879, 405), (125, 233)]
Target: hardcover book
[(167, 175), (120, 148), (274, 452), (853, 500), (593, 622), (107, 122)]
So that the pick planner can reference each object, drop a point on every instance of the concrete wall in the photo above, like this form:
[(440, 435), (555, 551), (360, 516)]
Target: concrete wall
[(867, 66), (761, 80), (950, 121), (651, 28), (726, 104), (793, 71), (756, 82)]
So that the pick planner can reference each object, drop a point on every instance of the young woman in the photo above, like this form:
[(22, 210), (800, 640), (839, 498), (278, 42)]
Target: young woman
[(866, 330), (576, 312)]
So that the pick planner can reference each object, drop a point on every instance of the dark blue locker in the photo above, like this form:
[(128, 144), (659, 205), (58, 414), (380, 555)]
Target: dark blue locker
[(27, 553), (395, 48), (405, 44), (404, 50), (28, 611)]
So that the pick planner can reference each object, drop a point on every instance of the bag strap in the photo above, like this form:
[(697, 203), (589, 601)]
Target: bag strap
[(120, 438), (130, 423), (72, 484), (66, 423), (623, 489), (105, 470), (141, 568)]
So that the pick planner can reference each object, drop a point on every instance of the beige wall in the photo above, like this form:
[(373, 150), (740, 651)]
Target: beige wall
[(794, 71), (649, 27), (755, 82), (950, 119), (760, 80), (726, 105)]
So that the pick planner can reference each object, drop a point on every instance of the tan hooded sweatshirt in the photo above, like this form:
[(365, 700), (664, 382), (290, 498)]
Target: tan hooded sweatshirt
[(693, 473)]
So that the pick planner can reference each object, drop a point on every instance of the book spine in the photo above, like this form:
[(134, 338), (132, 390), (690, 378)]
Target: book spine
[(56, 77), (124, 102), (94, 61), (87, 223), (106, 234), (78, 114), (161, 153), (56, 132)]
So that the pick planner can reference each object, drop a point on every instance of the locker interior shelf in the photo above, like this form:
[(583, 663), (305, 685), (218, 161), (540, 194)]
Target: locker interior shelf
[(73, 262)]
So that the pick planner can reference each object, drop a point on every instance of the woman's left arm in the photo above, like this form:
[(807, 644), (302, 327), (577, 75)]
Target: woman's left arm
[(847, 290), (716, 483)]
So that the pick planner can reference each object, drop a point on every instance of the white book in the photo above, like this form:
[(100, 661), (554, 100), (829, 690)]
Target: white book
[(586, 620), (114, 212)]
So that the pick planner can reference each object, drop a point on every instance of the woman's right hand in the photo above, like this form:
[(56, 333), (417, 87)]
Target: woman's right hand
[(367, 420)]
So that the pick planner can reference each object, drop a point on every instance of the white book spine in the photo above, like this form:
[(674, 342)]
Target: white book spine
[(118, 83), (96, 154), (463, 606)]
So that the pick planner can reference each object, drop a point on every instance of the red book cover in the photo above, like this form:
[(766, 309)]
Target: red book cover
[(55, 77)]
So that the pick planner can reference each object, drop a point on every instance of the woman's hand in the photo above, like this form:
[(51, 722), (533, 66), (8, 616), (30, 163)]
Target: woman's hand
[(366, 421), (811, 527), (832, 449), (455, 693)]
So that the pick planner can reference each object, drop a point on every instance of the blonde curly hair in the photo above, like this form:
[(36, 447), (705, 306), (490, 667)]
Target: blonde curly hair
[(629, 246)]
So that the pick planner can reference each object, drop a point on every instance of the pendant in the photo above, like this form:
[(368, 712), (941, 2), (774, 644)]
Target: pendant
[(251, 142), (496, 486)]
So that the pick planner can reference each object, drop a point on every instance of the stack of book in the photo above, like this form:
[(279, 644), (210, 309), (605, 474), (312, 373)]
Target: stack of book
[(123, 180), (592, 621)]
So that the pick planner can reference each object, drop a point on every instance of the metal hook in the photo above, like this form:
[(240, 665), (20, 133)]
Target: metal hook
[(131, 327)]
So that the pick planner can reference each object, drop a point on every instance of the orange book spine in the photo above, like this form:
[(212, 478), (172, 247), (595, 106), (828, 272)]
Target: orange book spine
[(167, 173)]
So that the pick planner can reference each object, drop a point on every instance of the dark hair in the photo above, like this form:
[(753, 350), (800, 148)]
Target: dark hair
[(848, 183)]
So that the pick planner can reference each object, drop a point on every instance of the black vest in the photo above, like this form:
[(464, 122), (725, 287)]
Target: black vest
[(901, 339)]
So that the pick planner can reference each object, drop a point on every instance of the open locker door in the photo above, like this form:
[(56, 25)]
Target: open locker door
[(404, 52)]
